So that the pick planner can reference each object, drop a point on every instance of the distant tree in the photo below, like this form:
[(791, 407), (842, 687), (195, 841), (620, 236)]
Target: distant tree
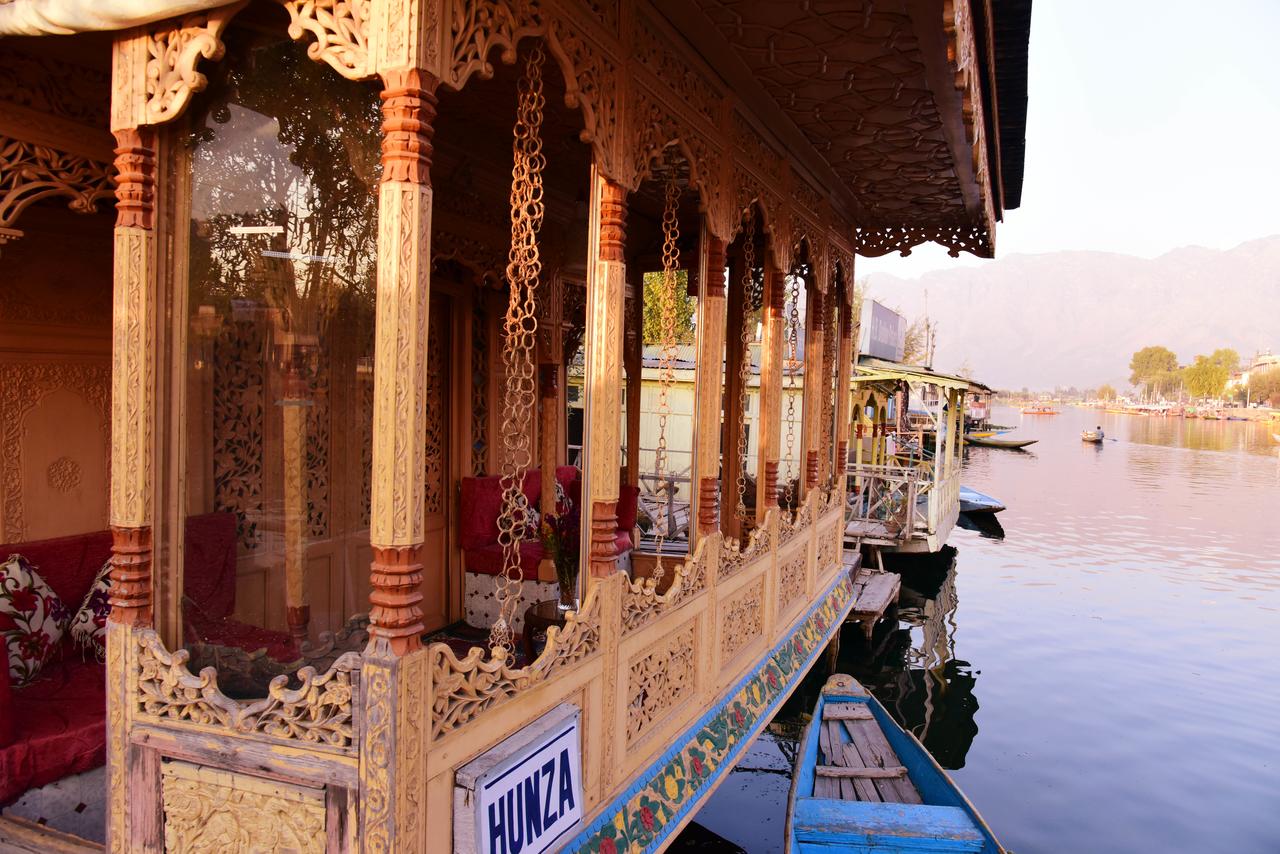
[(1166, 383), (1150, 361), (1265, 385), (1206, 379), (913, 349), (653, 309), (965, 370), (1227, 358), (1107, 392)]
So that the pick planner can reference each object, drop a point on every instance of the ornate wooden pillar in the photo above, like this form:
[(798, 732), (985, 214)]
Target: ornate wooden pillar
[(605, 307), (711, 362), (550, 403), (633, 357), (732, 427), (844, 369), (814, 388), (770, 390), (400, 360)]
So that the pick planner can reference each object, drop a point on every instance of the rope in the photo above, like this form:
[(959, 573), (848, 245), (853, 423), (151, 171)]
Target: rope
[(666, 364), (520, 327)]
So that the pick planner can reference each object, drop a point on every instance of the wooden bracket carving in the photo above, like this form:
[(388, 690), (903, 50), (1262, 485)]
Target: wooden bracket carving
[(173, 53), (340, 31), (31, 172)]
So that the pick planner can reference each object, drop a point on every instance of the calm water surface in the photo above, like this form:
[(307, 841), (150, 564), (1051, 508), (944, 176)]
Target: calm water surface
[(1104, 678)]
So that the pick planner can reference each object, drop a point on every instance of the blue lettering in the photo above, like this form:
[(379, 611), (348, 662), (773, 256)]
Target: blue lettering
[(515, 820), (532, 807), (497, 836), (548, 772), (566, 782)]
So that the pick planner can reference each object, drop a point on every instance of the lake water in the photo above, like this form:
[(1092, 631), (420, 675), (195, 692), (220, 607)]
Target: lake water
[(1105, 677)]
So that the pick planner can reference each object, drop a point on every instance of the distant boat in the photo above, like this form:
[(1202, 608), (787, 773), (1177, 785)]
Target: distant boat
[(1039, 409), (972, 501), (1013, 444), (1095, 436), (862, 784)]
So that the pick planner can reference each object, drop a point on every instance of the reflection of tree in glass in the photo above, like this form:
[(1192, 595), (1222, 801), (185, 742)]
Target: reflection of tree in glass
[(287, 148)]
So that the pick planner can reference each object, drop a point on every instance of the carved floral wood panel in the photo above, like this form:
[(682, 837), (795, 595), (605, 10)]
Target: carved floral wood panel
[(208, 811), (743, 620), (660, 680), (791, 579), (437, 390), (239, 396), (30, 172)]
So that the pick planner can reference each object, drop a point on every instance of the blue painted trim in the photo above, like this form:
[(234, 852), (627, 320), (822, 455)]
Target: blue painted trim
[(643, 779)]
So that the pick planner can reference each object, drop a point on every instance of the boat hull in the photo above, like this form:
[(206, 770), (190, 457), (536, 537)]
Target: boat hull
[(1013, 444), (972, 501), (945, 821)]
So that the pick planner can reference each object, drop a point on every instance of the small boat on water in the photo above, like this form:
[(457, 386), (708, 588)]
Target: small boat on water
[(1039, 409), (972, 501), (991, 442), (862, 784), (1094, 436)]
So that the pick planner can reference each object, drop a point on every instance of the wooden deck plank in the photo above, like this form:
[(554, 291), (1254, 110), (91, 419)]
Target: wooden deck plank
[(847, 790), (837, 771), (825, 787), (877, 753), (846, 712), (865, 788)]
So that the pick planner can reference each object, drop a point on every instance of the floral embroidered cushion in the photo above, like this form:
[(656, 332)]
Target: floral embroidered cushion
[(32, 619), (89, 627)]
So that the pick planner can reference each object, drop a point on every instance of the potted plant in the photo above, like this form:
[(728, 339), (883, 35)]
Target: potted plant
[(559, 533)]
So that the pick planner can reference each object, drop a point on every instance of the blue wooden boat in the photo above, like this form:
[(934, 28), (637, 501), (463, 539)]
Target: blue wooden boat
[(862, 784), (973, 501)]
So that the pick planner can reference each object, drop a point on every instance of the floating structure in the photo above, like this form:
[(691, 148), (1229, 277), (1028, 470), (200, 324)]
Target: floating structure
[(863, 784), (292, 408), (905, 476)]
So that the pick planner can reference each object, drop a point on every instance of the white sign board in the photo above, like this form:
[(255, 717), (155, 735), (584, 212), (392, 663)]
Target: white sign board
[(885, 332), (523, 796)]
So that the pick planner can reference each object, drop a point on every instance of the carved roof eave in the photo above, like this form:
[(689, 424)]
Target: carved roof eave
[(976, 239), (64, 17)]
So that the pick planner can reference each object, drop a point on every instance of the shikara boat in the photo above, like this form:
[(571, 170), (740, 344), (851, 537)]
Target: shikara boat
[(1094, 436), (1039, 410), (972, 501), (863, 784), (990, 442)]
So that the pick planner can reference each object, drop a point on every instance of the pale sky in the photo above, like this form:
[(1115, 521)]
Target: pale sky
[(1151, 124)]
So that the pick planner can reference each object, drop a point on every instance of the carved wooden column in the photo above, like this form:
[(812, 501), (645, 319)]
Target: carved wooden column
[(711, 334), (400, 360), (605, 292), (814, 389), (633, 357), (771, 355), (731, 432), (844, 371)]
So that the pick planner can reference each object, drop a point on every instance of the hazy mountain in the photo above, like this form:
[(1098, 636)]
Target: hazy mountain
[(1075, 318)]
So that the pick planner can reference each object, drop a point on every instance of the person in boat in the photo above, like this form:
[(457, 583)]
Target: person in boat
[(1098, 430)]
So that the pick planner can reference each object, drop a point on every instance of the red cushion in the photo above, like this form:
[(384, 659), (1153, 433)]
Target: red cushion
[(225, 631), (209, 563), (59, 723), (623, 542), (487, 560), (67, 564), (566, 475), (6, 708), (628, 502), (480, 505)]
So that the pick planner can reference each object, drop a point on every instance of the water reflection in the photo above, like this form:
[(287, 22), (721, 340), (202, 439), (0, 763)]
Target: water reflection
[(1124, 633)]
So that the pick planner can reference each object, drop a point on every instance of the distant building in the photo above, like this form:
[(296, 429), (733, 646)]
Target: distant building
[(1263, 361)]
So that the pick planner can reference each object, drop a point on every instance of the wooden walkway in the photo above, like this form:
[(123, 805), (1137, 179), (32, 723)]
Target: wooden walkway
[(875, 591)]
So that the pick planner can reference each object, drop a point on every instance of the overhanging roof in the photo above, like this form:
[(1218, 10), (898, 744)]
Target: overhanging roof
[(870, 369)]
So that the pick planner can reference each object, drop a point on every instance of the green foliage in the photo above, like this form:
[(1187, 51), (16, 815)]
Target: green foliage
[(1107, 392), (652, 329), (1150, 362), (913, 347), (1206, 379), (1265, 385), (1225, 357)]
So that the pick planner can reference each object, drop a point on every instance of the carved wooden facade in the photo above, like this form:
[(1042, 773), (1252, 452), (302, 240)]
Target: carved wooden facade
[(673, 676)]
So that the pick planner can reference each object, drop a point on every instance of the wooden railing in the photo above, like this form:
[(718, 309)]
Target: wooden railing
[(883, 499)]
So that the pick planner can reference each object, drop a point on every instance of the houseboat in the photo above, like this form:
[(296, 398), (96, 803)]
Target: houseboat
[(290, 293)]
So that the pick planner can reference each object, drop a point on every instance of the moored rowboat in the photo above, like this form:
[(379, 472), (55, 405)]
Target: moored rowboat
[(862, 784), (1094, 436), (998, 443), (972, 501)]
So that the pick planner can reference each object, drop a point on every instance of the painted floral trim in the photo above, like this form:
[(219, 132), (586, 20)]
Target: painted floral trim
[(640, 823), (32, 619)]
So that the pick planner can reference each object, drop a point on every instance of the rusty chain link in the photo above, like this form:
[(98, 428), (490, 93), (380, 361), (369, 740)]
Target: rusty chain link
[(520, 327), (666, 363), (744, 369)]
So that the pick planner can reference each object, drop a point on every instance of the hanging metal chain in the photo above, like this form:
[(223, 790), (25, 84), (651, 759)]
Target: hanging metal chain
[(744, 369), (793, 349), (524, 266), (667, 360), (830, 351)]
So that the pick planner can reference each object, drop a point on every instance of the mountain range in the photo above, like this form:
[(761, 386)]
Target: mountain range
[(1074, 318)]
